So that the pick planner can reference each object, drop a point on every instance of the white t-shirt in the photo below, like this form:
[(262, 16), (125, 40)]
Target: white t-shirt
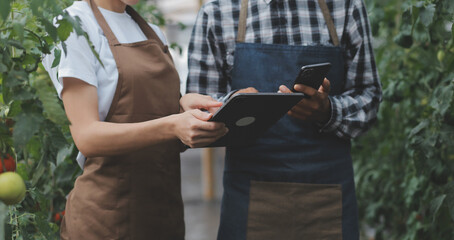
[(81, 63)]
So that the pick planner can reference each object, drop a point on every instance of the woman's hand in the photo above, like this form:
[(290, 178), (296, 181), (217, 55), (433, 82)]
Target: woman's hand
[(192, 128), (192, 101), (315, 108)]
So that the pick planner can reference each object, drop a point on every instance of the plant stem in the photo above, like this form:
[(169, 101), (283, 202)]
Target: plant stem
[(3, 212)]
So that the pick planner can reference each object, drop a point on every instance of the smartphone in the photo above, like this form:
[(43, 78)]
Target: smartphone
[(312, 75)]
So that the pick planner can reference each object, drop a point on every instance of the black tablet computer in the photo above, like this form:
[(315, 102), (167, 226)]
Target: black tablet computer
[(248, 115)]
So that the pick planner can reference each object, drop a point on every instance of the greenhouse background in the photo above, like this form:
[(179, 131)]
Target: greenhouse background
[(404, 166)]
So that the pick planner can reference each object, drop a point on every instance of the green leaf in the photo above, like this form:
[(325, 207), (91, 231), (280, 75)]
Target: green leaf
[(30, 59), (38, 172), (18, 29), (442, 98), (51, 103), (414, 14), (3, 68), (15, 44), (15, 78), (57, 56), (448, 5), (411, 187), (5, 8), (27, 125), (450, 198), (54, 140), (65, 49), (34, 147), (419, 127), (31, 62), (176, 46), (93, 50), (14, 109), (22, 94), (435, 205), (34, 5), (427, 14), (452, 32), (50, 29), (419, 4), (64, 29), (63, 153), (44, 227), (75, 23), (21, 169)]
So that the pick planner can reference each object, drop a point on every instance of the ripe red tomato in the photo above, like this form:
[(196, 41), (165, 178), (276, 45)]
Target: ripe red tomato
[(59, 216), (10, 164)]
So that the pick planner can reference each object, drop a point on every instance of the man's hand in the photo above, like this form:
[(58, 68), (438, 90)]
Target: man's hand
[(192, 101), (246, 90), (315, 108)]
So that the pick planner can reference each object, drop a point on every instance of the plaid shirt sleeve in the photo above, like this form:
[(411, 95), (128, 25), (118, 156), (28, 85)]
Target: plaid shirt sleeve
[(206, 65), (355, 110)]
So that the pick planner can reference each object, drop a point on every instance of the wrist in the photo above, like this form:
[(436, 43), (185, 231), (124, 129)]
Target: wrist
[(171, 124), (326, 114), (335, 117)]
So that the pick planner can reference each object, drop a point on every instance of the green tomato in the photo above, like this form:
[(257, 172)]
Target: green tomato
[(441, 55), (404, 40), (12, 188)]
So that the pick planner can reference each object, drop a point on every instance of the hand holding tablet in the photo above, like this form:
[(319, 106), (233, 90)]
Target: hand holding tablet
[(247, 115)]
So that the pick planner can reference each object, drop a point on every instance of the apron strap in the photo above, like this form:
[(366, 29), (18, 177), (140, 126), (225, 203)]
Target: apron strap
[(329, 22), (103, 24), (146, 29), (242, 22), (326, 15), (144, 26)]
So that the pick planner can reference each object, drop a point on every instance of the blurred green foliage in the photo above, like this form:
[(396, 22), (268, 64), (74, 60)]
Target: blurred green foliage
[(33, 126), (405, 164)]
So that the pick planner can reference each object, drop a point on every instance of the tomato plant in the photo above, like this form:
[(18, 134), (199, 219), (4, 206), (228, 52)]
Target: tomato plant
[(33, 126), (405, 164)]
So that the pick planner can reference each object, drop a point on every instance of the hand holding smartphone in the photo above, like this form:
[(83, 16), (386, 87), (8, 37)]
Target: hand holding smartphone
[(312, 75)]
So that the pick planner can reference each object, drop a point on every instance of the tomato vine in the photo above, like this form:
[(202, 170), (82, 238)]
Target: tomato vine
[(33, 126), (405, 164)]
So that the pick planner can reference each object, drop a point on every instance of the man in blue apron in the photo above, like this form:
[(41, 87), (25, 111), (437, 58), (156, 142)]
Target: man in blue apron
[(296, 180)]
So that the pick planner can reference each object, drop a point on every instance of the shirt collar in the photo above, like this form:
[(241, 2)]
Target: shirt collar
[(267, 1)]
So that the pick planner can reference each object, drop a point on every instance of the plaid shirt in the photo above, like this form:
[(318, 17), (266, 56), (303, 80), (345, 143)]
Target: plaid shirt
[(292, 22)]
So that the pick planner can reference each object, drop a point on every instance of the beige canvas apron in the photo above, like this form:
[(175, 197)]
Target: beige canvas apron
[(135, 195)]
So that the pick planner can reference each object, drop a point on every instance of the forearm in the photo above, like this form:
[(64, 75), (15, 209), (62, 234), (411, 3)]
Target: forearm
[(355, 110), (106, 139), (353, 113)]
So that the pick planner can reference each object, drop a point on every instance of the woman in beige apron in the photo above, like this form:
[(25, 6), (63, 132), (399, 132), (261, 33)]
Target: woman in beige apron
[(130, 187)]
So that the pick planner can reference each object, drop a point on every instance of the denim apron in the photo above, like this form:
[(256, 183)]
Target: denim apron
[(294, 182)]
